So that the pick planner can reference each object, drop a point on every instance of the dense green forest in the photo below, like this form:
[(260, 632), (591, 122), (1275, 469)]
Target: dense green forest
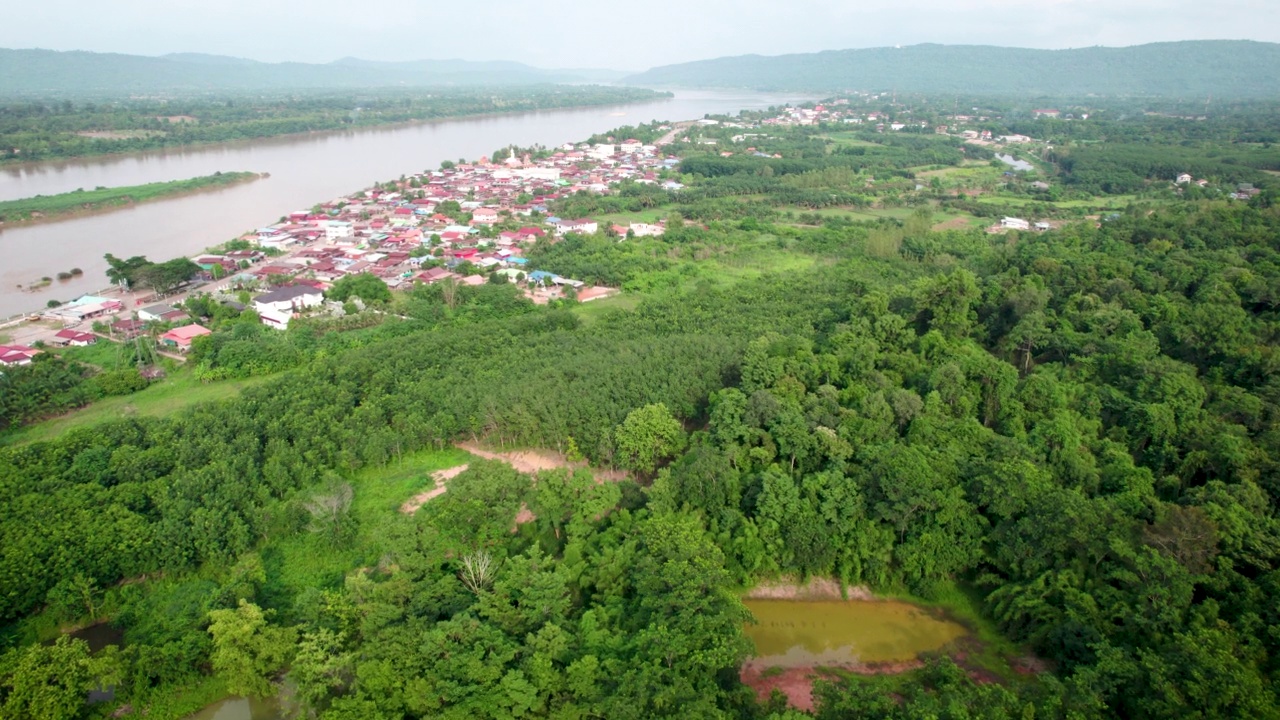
[(43, 128), (1223, 68), (1076, 427), (80, 201), (45, 73)]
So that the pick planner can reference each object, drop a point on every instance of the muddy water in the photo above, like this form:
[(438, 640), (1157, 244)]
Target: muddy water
[(304, 170), (805, 633)]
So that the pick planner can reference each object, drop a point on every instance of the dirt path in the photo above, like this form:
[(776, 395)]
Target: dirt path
[(534, 461), (411, 505), (676, 129)]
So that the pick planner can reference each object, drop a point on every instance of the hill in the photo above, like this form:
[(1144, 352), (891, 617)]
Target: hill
[(48, 72), (1178, 69)]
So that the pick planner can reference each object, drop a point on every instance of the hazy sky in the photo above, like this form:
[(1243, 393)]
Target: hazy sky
[(594, 33)]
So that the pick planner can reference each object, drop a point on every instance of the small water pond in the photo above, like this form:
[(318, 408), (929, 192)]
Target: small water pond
[(99, 636), (240, 709), (806, 633), (1016, 164)]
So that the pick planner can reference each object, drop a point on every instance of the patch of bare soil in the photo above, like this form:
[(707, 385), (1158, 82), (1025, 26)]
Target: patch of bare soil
[(814, 589), (959, 223), (411, 505), (797, 683), (534, 461), (523, 516)]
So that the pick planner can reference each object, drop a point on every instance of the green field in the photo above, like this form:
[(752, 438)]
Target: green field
[(175, 392), (1105, 202), (50, 207)]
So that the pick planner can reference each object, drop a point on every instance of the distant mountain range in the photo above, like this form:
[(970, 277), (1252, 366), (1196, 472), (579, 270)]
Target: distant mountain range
[(1197, 68), (48, 72)]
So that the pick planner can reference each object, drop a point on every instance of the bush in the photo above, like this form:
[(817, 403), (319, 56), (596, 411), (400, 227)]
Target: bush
[(120, 382)]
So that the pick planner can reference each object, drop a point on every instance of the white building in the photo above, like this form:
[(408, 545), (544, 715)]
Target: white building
[(1012, 223), (582, 227), (277, 307), (335, 229), (646, 230)]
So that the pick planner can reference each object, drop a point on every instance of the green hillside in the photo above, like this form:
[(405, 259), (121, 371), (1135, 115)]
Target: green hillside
[(1224, 68), (46, 72)]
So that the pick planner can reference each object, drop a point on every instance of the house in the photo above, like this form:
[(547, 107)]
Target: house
[(161, 313), (582, 227), (1049, 113), (17, 354), (1183, 179), (277, 307), (1042, 226), (128, 329), (74, 338), (434, 275), (484, 216), (1012, 223), (181, 338)]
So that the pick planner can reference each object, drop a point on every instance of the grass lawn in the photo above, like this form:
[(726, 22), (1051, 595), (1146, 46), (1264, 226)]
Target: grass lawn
[(1109, 202), (102, 354), (846, 139), (642, 216), (177, 391), (594, 310)]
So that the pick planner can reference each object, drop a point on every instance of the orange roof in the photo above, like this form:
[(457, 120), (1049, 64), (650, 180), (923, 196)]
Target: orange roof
[(185, 333)]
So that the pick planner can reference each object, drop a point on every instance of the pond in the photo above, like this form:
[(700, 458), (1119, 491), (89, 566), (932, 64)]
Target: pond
[(1015, 163), (807, 633)]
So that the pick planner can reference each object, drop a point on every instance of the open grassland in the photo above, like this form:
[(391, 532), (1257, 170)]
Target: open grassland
[(172, 393)]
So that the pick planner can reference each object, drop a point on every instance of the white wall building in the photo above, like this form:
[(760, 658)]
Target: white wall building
[(335, 229)]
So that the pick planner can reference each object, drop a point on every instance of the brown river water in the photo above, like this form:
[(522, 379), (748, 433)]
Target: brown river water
[(304, 170)]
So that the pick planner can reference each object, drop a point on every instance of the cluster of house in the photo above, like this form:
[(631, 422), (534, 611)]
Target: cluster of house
[(391, 232), (1243, 191), (839, 112), (178, 338)]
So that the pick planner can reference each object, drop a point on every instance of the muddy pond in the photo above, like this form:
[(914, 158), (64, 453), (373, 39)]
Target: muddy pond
[(809, 633)]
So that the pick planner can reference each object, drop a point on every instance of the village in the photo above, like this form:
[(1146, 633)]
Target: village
[(466, 223)]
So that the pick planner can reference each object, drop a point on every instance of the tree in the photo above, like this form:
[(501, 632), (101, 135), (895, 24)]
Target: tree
[(648, 436), (246, 650), (367, 287), (50, 682), (125, 271)]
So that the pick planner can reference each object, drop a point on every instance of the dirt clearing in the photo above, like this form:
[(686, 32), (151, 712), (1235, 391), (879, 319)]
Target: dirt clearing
[(535, 461), (411, 505)]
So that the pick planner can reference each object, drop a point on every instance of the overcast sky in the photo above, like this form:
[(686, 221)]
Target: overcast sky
[(596, 33)]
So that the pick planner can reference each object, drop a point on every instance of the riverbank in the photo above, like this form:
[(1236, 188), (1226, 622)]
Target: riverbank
[(80, 203), (332, 120)]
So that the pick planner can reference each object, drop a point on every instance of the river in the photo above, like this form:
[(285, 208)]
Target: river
[(304, 170)]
